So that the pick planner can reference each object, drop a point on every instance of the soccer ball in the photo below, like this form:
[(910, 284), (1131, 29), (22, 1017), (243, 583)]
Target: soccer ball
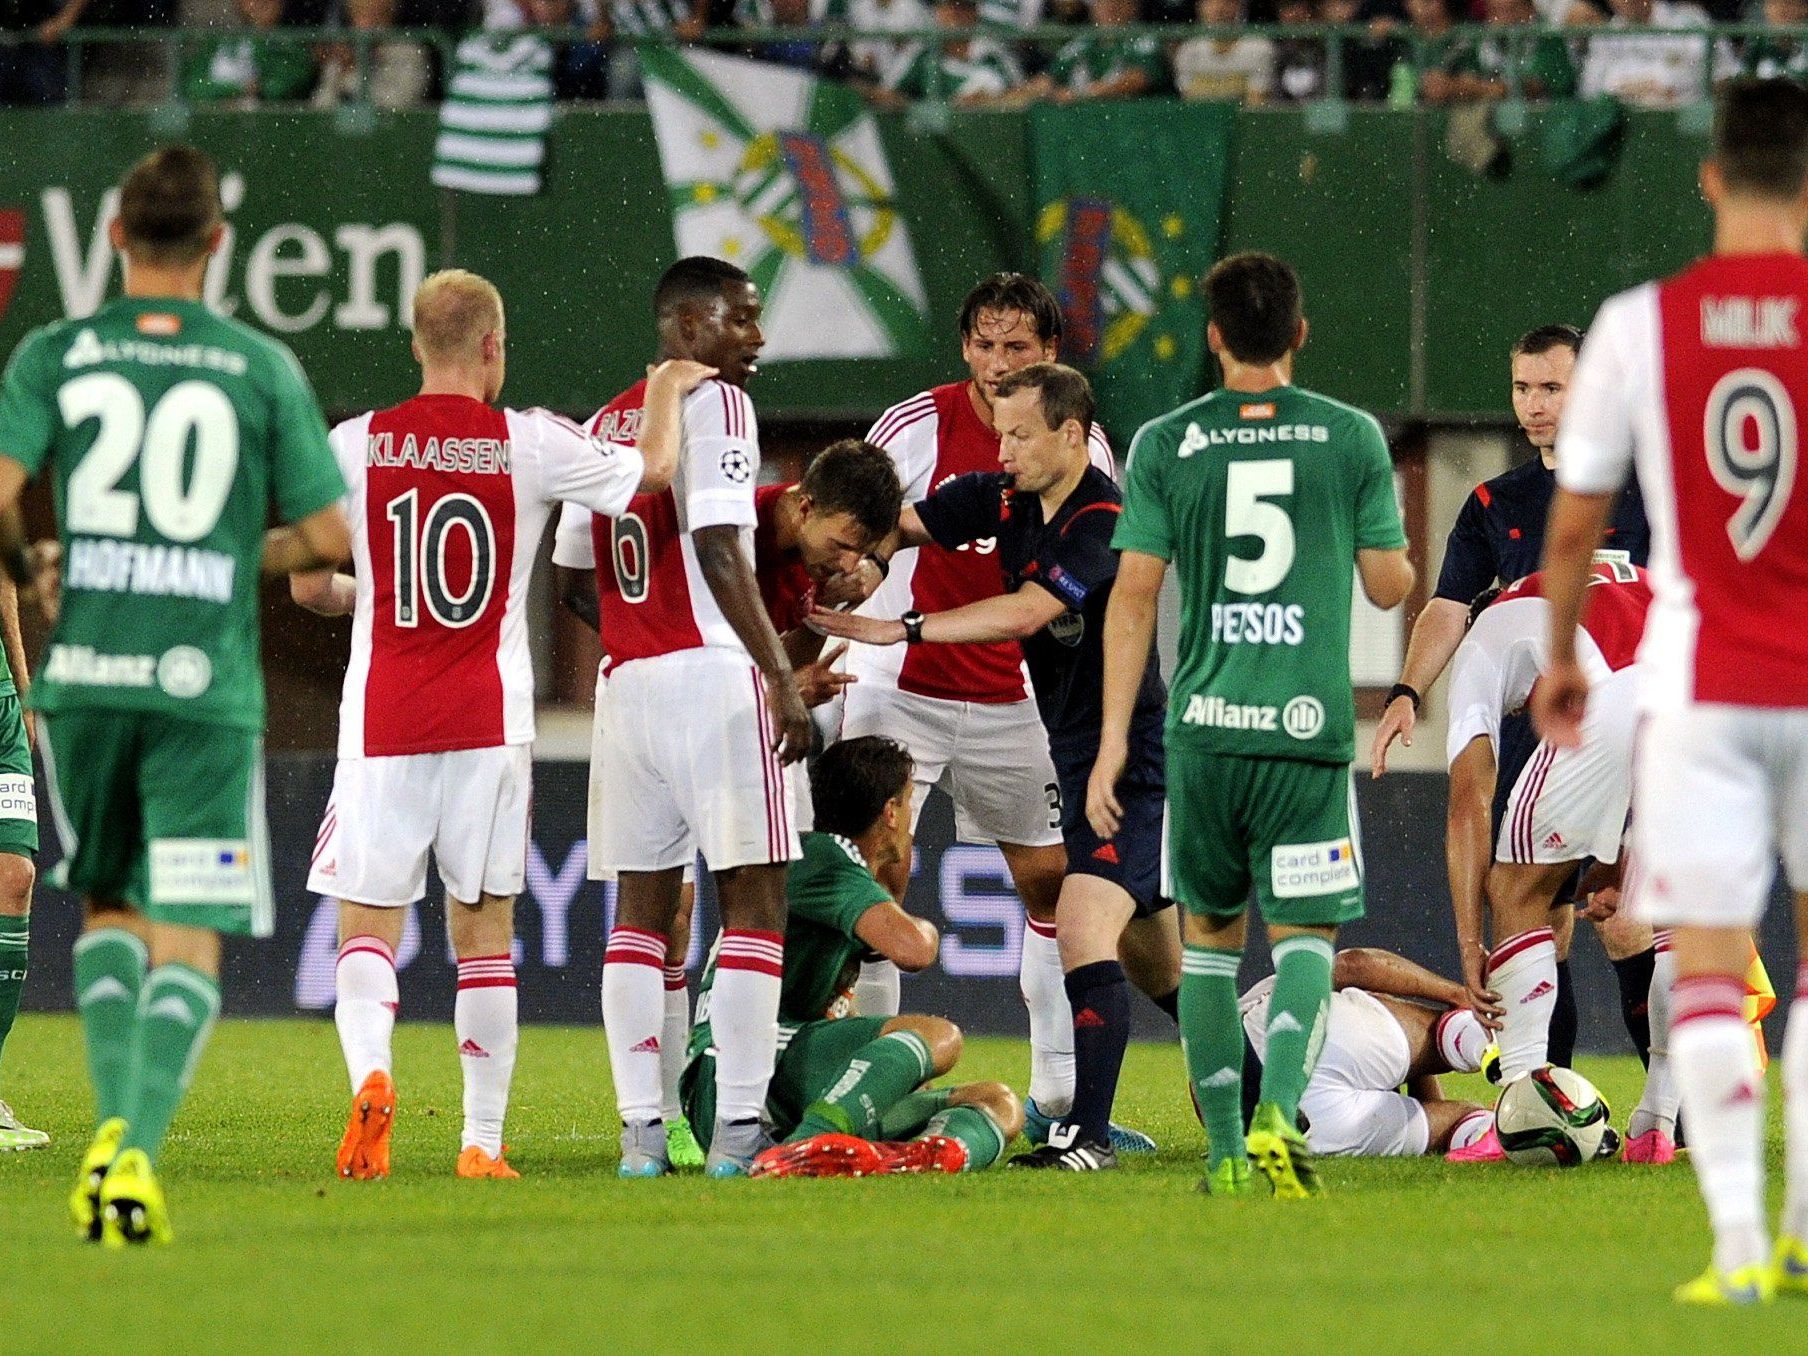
[(1551, 1117)]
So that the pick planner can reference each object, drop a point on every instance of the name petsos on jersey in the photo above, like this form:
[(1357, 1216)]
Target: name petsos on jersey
[(1302, 718), (1258, 623), (181, 671)]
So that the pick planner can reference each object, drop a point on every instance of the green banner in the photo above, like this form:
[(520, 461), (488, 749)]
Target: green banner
[(1130, 200)]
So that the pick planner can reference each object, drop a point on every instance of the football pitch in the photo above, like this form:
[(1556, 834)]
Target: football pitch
[(275, 1255)]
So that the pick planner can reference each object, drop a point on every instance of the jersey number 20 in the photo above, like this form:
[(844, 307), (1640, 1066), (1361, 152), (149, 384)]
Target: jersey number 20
[(420, 559), (181, 507)]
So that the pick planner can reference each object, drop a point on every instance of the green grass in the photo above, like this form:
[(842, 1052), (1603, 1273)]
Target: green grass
[(274, 1255)]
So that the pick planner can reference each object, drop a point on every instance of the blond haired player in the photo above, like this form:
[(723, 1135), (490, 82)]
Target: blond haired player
[(449, 496)]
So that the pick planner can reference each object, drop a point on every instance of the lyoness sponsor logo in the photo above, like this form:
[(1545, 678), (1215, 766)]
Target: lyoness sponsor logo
[(289, 278)]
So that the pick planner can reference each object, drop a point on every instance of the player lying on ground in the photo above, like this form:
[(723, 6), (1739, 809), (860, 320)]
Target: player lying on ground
[(847, 1089), (1051, 512), (1391, 1023), (18, 843), (963, 711), (170, 433), (1568, 807), (807, 540), (449, 499), (1270, 501)]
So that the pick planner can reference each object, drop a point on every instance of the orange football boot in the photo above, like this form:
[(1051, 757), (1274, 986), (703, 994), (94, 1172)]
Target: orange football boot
[(364, 1151), (827, 1155), (474, 1162), (932, 1153)]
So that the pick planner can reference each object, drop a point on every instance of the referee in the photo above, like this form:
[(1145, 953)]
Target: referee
[(1499, 537)]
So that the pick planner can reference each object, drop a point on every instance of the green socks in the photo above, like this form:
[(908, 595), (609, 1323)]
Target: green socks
[(14, 933), (175, 1014), (973, 1128), (910, 1114), (109, 970), (1211, 1035), (1296, 1019), (881, 1073)]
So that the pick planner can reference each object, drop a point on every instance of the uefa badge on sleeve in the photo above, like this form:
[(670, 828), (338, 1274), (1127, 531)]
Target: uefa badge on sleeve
[(737, 466)]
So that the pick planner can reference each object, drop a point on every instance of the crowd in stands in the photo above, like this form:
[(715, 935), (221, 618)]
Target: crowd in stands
[(1396, 51)]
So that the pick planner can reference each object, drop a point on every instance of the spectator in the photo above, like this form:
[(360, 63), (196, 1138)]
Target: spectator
[(1368, 62), (684, 20), (580, 67), (1772, 56), (1239, 67), (966, 71), (806, 51), (1649, 69), (1100, 64), (1299, 62), (266, 68), (36, 72), (1484, 68), (398, 72), (880, 61)]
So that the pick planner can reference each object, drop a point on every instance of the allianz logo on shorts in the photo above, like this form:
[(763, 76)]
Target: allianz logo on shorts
[(201, 871), (181, 671), (18, 799), (1298, 870), (1302, 718)]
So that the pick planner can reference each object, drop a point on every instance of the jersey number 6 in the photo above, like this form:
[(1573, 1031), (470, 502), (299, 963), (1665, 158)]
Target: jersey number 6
[(420, 559)]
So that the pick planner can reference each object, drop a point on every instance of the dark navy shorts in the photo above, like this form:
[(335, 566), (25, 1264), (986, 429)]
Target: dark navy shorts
[(1131, 860)]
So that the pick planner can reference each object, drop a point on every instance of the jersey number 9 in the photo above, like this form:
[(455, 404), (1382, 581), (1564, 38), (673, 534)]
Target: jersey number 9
[(1749, 432)]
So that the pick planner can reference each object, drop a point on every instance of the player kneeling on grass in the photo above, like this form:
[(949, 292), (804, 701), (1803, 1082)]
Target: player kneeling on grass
[(1391, 1024), (847, 1097), (449, 497)]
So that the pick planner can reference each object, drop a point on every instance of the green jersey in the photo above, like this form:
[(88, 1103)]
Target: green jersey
[(827, 891), (169, 431), (1100, 56), (1261, 502)]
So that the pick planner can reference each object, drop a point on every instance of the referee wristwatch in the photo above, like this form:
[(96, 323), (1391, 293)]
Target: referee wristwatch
[(912, 622)]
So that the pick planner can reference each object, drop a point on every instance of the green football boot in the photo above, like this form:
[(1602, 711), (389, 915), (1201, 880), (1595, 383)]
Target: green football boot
[(84, 1201), (1279, 1152), (681, 1147), (1228, 1177), (131, 1203)]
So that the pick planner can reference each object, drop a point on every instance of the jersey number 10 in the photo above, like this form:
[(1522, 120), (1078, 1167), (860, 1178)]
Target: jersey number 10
[(420, 559)]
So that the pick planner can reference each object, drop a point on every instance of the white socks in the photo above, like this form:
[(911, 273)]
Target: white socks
[(743, 1018), (674, 1037), (1051, 1019), (484, 1020), (1715, 1060), (1523, 971), (366, 1006), (633, 1019), (879, 990), (1659, 1102), (1472, 1127), (1795, 1110), (1461, 1040)]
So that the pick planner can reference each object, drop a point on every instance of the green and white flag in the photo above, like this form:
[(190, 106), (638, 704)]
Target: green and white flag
[(785, 175), (493, 123)]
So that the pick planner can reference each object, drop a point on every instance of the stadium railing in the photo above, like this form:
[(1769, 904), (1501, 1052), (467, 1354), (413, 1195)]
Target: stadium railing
[(1720, 45)]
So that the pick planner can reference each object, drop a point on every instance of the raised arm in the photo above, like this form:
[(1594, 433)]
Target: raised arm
[(661, 432)]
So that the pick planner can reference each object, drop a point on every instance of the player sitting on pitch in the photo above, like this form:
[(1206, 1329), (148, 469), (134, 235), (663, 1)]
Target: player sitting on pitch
[(1391, 1023), (847, 1096)]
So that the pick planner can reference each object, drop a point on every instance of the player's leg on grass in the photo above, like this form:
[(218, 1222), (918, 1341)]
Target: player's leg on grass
[(1651, 1130), (1211, 1038), (674, 1035), (16, 877), (1038, 872), (366, 1001), (634, 1011), (1149, 951), (744, 1009), (110, 960), (1522, 968), (1792, 1244), (852, 1099), (1562, 1039), (485, 1023), (1632, 951)]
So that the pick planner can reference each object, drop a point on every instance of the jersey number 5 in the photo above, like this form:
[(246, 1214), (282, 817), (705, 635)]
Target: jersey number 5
[(420, 559), (1248, 487), (1749, 432), (182, 507)]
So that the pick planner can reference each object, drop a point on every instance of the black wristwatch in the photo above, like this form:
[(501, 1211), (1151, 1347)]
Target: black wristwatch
[(913, 627), (1399, 690)]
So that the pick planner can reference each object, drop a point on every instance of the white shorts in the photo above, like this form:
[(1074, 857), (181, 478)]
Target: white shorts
[(1352, 1105), (990, 757), (596, 807), (469, 807), (683, 763), (1722, 791), (1571, 803)]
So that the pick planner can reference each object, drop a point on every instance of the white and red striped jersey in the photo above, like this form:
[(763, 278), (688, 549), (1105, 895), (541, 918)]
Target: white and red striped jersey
[(447, 500), (1699, 380), (1505, 651), (652, 598), (932, 438)]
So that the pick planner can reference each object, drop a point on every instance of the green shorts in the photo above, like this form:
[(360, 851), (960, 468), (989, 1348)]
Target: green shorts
[(810, 1058), (18, 793), (167, 814), (1286, 827)]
